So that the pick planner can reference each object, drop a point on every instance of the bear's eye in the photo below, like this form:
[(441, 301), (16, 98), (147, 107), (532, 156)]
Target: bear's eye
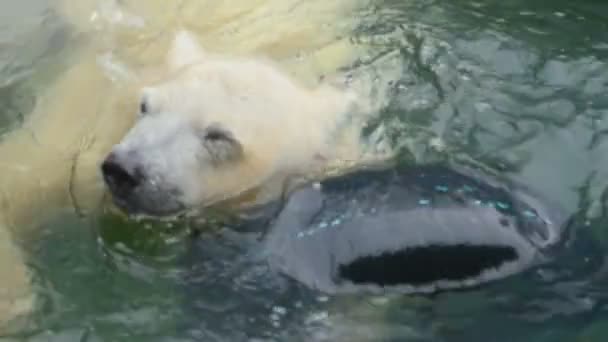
[(221, 145), (215, 134), (143, 107)]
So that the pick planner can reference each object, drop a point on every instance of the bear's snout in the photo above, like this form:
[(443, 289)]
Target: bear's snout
[(121, 175)]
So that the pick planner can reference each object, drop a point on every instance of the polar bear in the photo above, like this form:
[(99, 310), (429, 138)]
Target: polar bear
[(293, 111), (219, 127)]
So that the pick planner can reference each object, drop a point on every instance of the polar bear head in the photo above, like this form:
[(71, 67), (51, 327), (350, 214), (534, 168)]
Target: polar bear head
[(217, 127)]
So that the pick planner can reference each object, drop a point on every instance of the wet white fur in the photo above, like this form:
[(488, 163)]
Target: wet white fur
[(286, 121)]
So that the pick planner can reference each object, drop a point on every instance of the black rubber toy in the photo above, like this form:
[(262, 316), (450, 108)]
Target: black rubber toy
[(413, 230)]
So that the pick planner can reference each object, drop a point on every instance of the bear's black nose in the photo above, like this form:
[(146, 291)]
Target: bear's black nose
[(120, 175)]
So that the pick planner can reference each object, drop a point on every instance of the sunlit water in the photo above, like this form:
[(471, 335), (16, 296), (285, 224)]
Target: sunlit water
[(517, 85)]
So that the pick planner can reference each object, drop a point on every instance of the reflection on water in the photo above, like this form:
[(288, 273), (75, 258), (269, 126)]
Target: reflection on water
[(31, 35), (28, 32), (518, 85)]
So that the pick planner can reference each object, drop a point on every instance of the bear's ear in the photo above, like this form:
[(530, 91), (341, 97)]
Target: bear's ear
[(184, 50), (221, 144)]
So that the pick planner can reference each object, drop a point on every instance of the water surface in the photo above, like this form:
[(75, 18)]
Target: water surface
[(517, 85)]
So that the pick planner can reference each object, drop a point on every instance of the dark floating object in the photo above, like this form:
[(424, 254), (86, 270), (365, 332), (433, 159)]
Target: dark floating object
[(416, 229)]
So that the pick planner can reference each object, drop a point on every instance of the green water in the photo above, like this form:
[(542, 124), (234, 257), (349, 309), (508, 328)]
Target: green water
[(518, 85)]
